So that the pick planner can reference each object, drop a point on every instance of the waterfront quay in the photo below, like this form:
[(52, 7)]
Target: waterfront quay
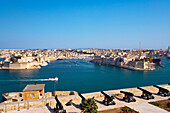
[(137, 65), (132, 59), (48, 104), (36, 58)]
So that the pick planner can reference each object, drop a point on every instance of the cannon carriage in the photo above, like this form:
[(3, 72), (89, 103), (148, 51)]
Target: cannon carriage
[(146, 94), (162, 91), (59, 107), (128, 96), (108, 100), (82, 99)]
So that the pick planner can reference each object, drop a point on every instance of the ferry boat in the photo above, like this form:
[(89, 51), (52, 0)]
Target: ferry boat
[(53, 79)]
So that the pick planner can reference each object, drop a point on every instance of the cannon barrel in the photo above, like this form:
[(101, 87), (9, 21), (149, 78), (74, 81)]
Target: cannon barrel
[(81, 96), (58, 103), (156, 86), (127, 93), (106, 95), (144, 90), (165, 90), (69, 103)]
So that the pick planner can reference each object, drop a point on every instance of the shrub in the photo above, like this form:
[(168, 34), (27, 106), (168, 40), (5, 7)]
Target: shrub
[(155, 103), (126, 109), (168, 104)]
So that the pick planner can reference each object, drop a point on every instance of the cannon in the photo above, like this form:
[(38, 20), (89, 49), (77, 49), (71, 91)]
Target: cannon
[(128, 96), (82, 99), (162, 91), (59, 107), (146, 94), (69, 103), (108, 100)]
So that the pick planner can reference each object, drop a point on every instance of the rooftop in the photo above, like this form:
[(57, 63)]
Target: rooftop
[(34, 87)]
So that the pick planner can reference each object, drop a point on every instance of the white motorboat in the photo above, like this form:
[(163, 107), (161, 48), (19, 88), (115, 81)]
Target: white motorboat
[(53, 79), (44, 64)]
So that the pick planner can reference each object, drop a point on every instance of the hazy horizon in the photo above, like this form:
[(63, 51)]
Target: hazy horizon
[(74, 48)]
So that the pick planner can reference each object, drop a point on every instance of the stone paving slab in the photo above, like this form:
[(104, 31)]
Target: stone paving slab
[(146, 108)]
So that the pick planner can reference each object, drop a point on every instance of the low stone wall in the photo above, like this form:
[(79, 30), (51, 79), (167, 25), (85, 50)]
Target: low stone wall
[(36, 102), (64, 93), (27, 104), (9, 96)]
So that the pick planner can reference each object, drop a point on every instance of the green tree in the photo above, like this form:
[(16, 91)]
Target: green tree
[(89, 106)]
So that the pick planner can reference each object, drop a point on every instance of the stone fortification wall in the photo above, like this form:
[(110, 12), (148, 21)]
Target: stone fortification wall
[(15, 66), (19, 66), (75, 98), (139, 65)]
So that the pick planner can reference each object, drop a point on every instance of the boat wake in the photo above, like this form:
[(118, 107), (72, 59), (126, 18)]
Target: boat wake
[(25, 80)]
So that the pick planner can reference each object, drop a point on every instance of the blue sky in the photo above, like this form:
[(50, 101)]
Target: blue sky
[(84, 23)]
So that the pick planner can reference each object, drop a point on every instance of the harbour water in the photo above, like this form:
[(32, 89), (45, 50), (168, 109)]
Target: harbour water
[(82, 76)]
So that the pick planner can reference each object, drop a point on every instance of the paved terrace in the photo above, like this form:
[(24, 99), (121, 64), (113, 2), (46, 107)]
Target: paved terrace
[(140, 105)]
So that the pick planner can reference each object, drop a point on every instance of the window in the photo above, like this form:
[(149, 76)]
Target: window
[(40, 94), (32, 95)]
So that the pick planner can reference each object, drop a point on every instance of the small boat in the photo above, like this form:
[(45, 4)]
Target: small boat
[(53, 79), (48, 61), (156, 60), (60, 59), (168, 56), (44, 64), (161, 66)]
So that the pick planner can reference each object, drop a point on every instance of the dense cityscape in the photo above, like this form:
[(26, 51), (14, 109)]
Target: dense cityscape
[(135, 59)]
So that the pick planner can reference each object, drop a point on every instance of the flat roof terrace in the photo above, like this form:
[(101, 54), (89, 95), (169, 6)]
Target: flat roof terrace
[(34, 87)]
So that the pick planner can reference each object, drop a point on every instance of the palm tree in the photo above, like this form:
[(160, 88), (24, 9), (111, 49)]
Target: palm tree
[(89, 106)]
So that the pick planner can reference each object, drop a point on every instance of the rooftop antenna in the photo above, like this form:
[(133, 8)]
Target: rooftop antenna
[(140, 52)]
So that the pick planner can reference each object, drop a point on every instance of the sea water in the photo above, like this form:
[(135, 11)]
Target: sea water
[(82, 76)]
